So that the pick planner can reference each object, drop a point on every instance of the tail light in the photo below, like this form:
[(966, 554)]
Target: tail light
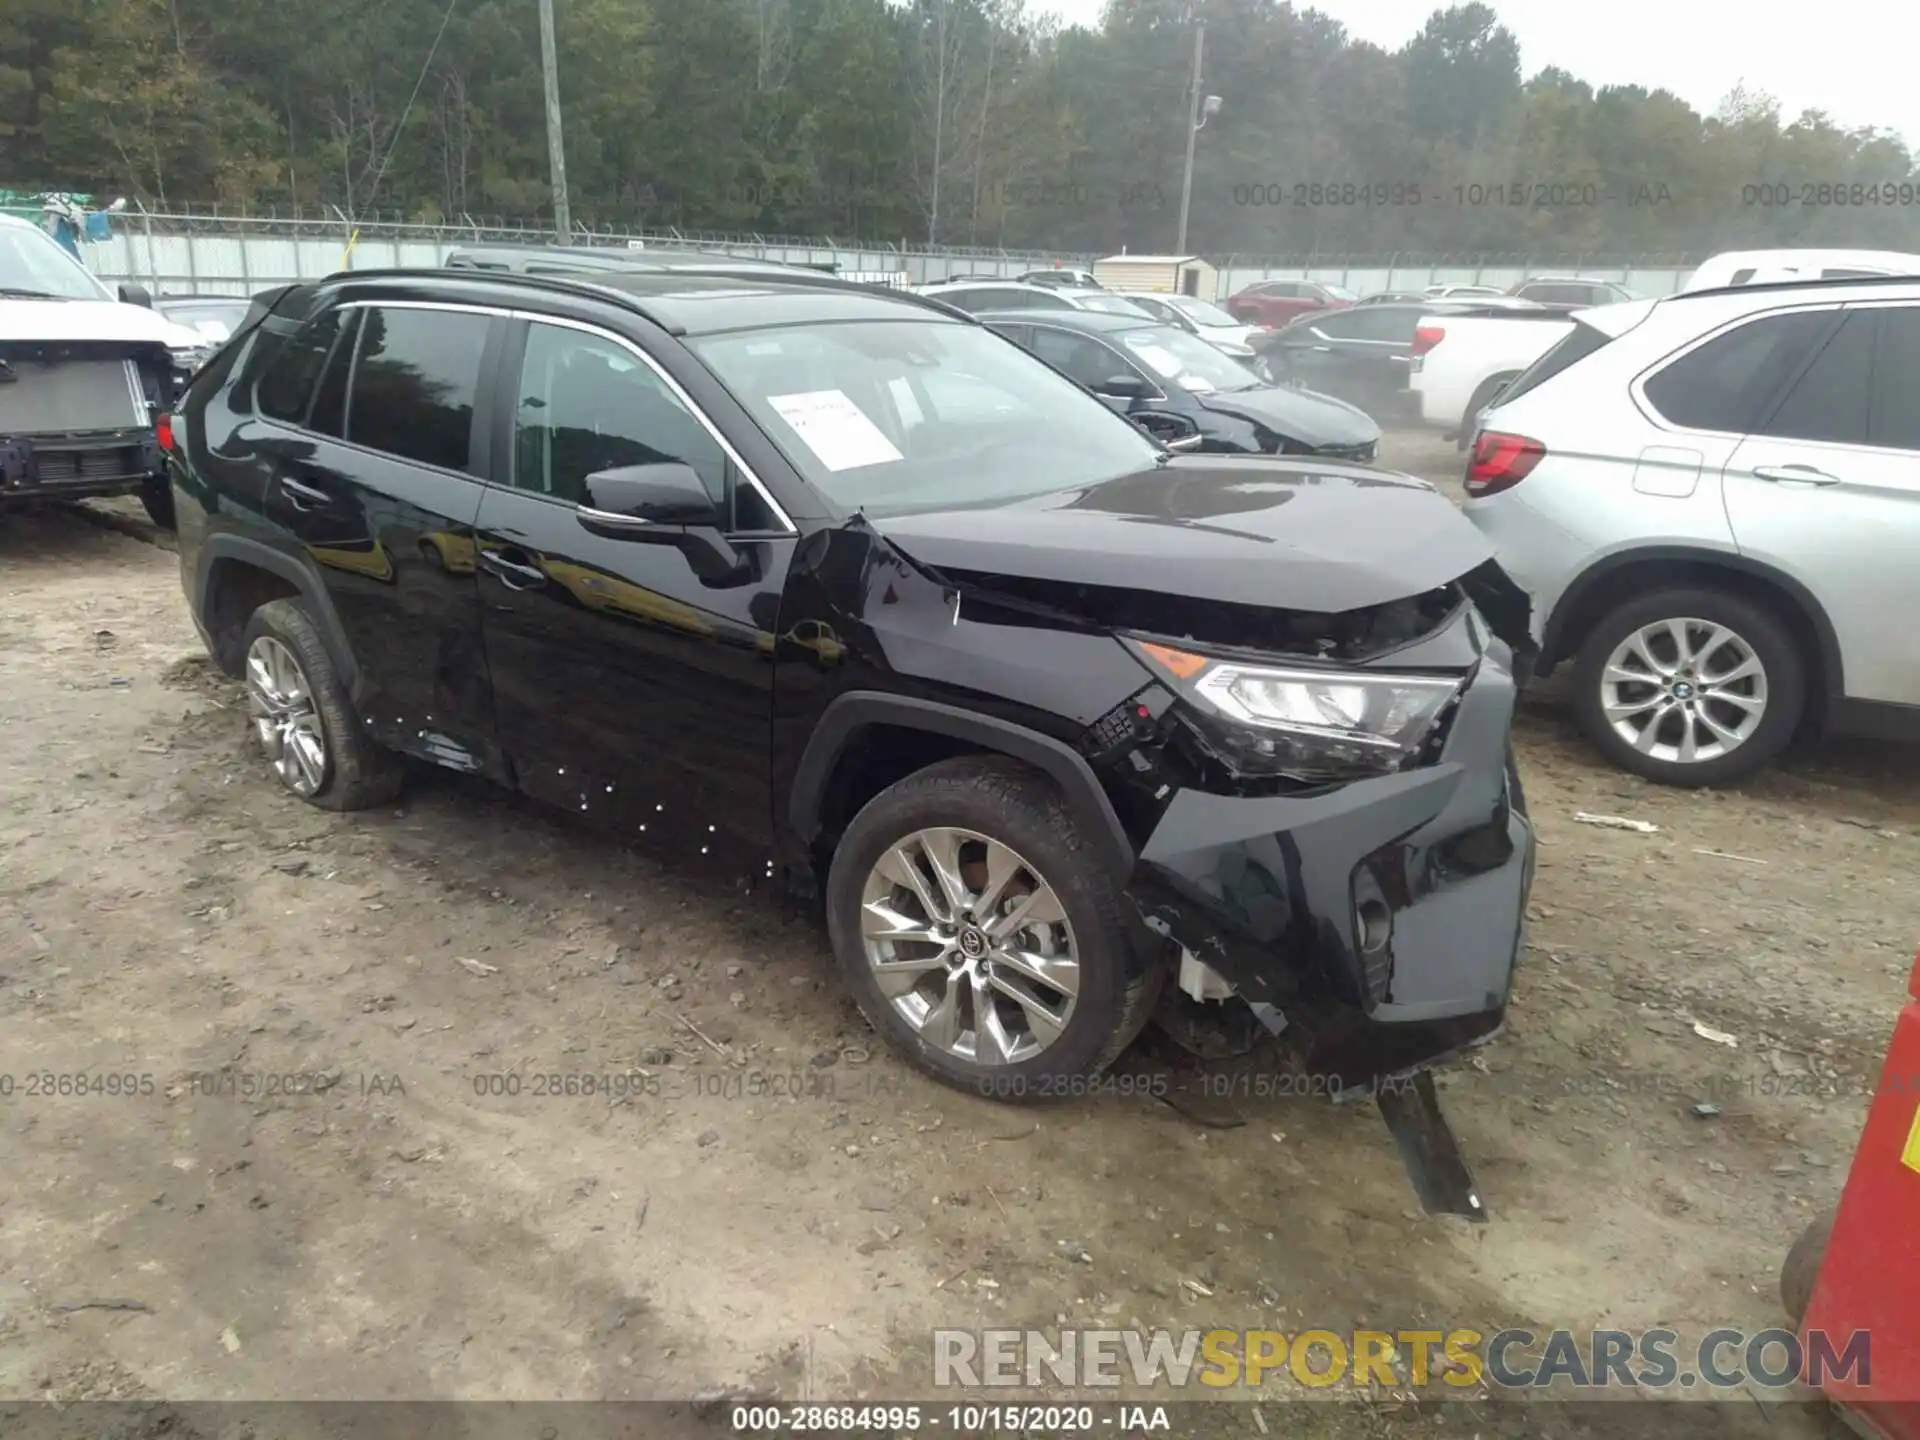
[(1425, 337), (163, 432), (1500, 462)]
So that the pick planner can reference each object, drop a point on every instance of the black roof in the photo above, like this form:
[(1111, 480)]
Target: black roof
[(695, 302), (1094, 322)]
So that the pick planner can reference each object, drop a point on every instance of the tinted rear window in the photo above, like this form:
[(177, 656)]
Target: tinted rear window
[(1569, 350), (415, 382), (1829, 402), (287, 385), (1727, 383)]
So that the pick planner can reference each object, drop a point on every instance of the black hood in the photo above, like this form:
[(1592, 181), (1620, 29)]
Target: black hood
[(1294, 534), (1303, 415)]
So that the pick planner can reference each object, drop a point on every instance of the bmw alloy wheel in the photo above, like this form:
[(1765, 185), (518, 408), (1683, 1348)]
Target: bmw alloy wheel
[(1684, 691), (970, 945), (280, 702)]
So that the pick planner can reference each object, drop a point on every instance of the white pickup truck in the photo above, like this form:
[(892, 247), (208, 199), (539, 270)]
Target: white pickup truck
[(1458, 363), (83, 377)]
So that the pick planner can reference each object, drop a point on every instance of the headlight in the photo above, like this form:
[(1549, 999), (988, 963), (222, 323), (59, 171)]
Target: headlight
[(1311, 724)]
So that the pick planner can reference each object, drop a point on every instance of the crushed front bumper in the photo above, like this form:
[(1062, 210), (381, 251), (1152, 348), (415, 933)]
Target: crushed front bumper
[(1377, 924), (75, 467)]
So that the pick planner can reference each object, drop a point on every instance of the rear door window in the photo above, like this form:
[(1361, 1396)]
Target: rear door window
[(1729, 382), (1829, 402), (1895, 421), (286, 389), (415, 384), (329, 413)]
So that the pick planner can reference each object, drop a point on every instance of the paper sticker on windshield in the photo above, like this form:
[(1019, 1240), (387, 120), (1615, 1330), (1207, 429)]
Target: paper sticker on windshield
[(835, 429)]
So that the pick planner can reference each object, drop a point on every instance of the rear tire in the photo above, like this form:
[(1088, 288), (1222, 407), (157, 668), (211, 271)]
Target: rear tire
[(303, 719), (952, 1006), (157, 497), (1752, 633)]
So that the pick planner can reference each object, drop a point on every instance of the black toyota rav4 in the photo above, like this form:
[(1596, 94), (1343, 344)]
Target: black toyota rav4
[(1068, 731)]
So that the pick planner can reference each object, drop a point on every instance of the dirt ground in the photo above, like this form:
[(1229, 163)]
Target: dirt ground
[(773, 1202)]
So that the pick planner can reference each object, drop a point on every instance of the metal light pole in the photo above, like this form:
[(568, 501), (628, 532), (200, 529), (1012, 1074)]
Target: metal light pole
[(1198, 113), (556, 150)]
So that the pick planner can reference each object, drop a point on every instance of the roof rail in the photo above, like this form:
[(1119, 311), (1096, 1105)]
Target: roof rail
[(1823, 282), (594, 282)]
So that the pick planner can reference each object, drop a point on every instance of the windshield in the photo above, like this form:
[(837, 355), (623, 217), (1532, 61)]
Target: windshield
[(32, 262), (1186, 360), (1338, 292), (1110, 304), (1202, 312), (895, 417)]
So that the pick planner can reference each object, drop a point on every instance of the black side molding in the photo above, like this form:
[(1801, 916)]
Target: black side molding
[(245, 551), (849, 714)]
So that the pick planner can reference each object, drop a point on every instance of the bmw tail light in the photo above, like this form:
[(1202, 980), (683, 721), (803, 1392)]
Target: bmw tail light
[(1501, 461)]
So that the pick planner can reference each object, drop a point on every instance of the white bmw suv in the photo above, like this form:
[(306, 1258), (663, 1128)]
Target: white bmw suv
[(1714, 501)]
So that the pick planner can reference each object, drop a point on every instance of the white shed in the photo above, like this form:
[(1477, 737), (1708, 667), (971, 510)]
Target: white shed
[(1170, 274)]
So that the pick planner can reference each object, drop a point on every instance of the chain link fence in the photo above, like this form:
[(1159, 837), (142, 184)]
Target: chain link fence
[(192, 251)]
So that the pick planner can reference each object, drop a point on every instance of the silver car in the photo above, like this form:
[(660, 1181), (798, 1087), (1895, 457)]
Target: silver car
[(1714, 502)]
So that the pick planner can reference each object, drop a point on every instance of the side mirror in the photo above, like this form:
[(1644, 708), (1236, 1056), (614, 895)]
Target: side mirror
[(662, 504), (1123, 387), (650, 496), (1173, 430), (132, 294)]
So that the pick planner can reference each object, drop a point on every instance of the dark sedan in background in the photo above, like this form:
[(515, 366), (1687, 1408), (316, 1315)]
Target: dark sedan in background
[(1178, 385), (1361, 354)]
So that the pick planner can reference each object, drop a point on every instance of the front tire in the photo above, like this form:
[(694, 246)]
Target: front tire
[(303, 719), (977, 931), (1690, 686), (1802, 1267)]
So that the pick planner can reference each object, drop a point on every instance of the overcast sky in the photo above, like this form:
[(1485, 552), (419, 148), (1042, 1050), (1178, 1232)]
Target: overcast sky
[(1851, 58)]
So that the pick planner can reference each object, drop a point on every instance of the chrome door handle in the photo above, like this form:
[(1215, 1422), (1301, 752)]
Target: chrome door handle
[(302, 496), (1794, 475), (511, 573)]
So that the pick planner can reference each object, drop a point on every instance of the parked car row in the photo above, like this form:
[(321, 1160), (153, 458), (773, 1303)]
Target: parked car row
[(1177, 365), (1067, 730)]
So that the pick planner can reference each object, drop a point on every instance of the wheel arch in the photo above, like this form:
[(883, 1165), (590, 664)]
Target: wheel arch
[(1620, 577), (857, 715), (235, 575)]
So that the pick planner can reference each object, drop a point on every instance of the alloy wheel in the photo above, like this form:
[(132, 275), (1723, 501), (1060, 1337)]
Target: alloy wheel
[(1684, 691), (970, 945), (280, 702)]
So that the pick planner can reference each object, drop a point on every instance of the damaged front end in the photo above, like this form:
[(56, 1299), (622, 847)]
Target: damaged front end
[(1330, 832), (1309, 755)]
